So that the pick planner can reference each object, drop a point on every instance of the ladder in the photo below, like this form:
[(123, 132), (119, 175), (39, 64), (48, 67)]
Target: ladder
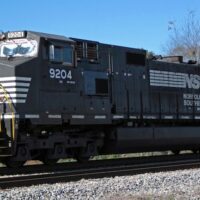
[(7, 126)]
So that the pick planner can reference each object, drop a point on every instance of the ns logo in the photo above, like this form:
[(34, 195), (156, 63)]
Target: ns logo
[(192, 81)]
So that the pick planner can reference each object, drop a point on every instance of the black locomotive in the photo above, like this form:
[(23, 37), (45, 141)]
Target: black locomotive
[(71, 98)]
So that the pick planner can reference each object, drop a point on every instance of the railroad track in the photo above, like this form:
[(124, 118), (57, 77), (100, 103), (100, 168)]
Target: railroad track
[(99, 169)]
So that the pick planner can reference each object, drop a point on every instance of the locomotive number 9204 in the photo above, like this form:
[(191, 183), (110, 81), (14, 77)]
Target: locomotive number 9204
[(60, 73)]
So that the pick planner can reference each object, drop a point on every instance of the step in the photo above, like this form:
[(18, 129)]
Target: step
[(5, 152), (4, 147), (2, 139)]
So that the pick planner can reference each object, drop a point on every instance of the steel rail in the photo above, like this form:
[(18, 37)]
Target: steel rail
[(98, 172), (39, 168)]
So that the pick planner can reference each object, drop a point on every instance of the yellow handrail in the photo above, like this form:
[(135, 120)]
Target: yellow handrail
[(0, 123), (7, 97)]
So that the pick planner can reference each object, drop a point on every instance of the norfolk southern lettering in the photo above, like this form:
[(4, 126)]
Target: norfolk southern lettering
[(174, 79), (192, 81), (191, 100)]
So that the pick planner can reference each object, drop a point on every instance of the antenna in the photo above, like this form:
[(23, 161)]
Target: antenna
[(2, 35)]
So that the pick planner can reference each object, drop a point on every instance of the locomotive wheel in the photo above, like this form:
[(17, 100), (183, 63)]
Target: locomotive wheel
[(12, 163), (176, 152), (19, 159), (82, 159), (81, 156), (50, 161), (195, 151)]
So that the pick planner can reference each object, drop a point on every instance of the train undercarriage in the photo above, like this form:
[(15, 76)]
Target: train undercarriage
[(49, 144)]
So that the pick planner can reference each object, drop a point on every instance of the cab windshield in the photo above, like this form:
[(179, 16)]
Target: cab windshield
[(18, 48)]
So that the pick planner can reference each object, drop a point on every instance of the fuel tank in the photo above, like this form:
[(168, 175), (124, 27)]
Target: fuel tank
[(143, 139)]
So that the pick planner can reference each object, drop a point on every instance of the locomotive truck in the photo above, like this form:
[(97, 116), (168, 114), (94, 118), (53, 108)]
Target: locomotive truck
[(65, 97)]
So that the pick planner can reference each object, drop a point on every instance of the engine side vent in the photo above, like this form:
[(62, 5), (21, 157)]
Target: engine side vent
[(80, 50), (135, 59), (92, 52)]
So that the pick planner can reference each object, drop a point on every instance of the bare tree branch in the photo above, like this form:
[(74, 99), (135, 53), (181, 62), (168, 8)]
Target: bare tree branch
[(184, 40)]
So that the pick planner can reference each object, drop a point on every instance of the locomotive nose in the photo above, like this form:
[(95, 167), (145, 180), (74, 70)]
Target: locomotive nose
[(14, 86), (7, 109)]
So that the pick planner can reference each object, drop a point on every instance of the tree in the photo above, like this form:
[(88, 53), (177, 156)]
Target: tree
[(184, 40)]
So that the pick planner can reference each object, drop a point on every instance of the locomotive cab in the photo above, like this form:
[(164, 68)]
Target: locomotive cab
[(30, 63), (21, 53)]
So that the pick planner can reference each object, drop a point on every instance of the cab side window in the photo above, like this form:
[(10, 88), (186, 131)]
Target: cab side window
[(68, 54), (62, 54)]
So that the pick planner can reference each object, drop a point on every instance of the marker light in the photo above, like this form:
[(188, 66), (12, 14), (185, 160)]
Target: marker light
[(16, 34)]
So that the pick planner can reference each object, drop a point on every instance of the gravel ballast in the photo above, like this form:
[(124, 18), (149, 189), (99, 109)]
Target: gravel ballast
[(183, 184)]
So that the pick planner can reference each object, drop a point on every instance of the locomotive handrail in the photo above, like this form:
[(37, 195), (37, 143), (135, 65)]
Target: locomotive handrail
[(7, 97)]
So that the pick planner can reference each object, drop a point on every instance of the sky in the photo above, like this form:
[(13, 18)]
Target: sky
[(132, 23)]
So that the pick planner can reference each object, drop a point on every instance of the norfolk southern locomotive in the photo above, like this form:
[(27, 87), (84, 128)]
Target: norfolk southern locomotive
[(71, 98)]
